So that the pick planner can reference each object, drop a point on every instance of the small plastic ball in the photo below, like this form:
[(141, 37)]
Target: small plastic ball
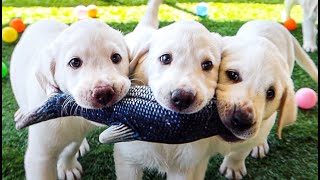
[(290, 24), (4, 70), (17, 24), (92, 11), (81, 12), (9, 34), (306, 98), (202, 9)]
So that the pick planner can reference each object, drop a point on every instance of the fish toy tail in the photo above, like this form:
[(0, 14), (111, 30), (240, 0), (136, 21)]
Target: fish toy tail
[(50, 110)]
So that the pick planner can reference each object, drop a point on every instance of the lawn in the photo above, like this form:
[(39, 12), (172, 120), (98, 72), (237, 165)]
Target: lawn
[(293, 157)]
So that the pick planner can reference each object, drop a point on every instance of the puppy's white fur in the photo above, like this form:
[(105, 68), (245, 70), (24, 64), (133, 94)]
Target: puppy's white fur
[(40, 66), (310, 16), (190, 44), (263, 53)]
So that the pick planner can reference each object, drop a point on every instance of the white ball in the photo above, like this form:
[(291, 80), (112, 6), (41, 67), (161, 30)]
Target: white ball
[(81, 11)]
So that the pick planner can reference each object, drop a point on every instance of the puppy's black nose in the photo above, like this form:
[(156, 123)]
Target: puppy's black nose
[(103, 94), (242, 119), (182, 99)]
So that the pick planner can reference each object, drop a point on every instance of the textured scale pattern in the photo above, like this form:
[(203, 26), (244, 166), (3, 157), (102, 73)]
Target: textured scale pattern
[(138, 116)]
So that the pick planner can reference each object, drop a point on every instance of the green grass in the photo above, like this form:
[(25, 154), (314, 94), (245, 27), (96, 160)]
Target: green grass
[(168, 12), (71, 3), (294, 157)]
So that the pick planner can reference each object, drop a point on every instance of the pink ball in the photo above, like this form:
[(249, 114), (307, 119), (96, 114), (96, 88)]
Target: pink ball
[(306, 98)]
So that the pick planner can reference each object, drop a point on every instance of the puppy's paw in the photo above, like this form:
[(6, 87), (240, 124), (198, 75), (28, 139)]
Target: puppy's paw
[(84, 148), (232, 169), (310, 47), (260, 151), (70, 171)]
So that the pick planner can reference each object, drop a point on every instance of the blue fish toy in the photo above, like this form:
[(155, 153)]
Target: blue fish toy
[(137, 116)]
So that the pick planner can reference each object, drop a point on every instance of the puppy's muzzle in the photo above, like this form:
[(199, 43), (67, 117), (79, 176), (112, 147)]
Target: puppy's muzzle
[(242, 118), (182, 99), (102, 95)]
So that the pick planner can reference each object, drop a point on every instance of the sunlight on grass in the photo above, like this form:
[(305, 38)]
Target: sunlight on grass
[(73, 3), (217, 12), (106, 13), (245, 11)]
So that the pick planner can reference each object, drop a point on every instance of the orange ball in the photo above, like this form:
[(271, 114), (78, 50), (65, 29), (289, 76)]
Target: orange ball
[(92, 11), (17, 24), (290, 24)]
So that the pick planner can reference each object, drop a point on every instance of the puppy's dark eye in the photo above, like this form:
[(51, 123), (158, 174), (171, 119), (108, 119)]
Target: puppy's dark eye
[(165, 59), (233, 75), (116, 58), (75, 62), (270, 93), (207, 65)]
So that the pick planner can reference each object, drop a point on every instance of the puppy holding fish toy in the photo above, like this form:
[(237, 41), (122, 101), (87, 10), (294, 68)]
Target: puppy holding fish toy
[(49, 58), (137, 117)]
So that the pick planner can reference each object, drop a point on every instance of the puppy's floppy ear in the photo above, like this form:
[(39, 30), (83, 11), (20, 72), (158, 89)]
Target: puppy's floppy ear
[(46, 71), (136, 55), (288, 107), (217, 38), (227, 40)]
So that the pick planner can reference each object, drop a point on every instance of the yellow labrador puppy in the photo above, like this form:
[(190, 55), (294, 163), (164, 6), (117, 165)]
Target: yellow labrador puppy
[(181, 68), (90, 61), (180, 63), (254, 83)]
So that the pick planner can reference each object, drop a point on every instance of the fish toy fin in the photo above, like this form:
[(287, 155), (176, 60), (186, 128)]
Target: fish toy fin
[(18, 115), (117, 133)]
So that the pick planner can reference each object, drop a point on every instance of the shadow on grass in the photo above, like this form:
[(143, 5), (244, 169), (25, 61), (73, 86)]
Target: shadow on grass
[(73, 3), (174, 5)]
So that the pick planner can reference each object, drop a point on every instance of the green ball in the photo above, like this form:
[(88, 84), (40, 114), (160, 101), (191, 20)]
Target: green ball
[(4, 70)]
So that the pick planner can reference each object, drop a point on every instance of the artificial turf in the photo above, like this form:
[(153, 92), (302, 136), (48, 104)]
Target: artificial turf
[(293, 157)]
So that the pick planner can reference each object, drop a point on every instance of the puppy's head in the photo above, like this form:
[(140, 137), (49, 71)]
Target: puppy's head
[(254, 82), (90, 61), (182, 66)]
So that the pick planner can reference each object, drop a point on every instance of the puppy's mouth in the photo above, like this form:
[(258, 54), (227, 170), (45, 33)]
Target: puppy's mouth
[(92, 104), (240, 125), (182, 110), (101, 98), (227, 135), (244, 135), (194, 107), (96, 105), (233, 135)]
